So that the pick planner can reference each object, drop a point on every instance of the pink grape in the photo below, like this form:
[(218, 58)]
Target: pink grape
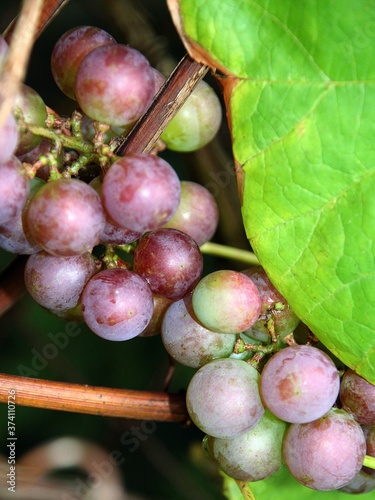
[(57, 282), (357, 396), (140, 192), (187, 341), (65, 217), (226, 301), (9, 138), (161, 305), (114, 84), (299, 384), (15, 236), (170, 261), (69, 51), (197, 214), (223, 398), (3, 49), (369, 433), (14, 189), (327, 453), (117, 304), (361, 483), (112, 233)]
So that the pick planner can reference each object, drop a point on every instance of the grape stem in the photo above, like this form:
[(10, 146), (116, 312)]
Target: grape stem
[(67, 141), (369, 462), (228, 252), (245, 490), (108, 402)]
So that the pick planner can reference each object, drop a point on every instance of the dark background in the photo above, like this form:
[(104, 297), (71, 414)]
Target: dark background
[(169, 463)]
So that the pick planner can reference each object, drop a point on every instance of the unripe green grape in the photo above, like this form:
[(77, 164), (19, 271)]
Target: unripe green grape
[(254, 455), (196, 123), (34, 112)]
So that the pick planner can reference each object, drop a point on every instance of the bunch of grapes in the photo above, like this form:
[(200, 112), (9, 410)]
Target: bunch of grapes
[(115, 242), (72, 226), (269, 403)]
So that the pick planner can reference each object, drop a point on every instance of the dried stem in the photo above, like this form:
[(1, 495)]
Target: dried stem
[(139, 405), (15, 65), (50, 10)]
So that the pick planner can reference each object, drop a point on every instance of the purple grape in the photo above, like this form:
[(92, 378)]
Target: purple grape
[(325, 454), (3, 49), (187, 341), (117, 304), (112, 233), (15, 236), (114, 84), (57, 282), (369, 433), (141, 192), (159, 80), (65, 217), (34, 112), (226, 301), (357, 396), (197, 214), (361, 483), (299, 384), (13, 239), (254, 455), (161, 305), (223, 398), (14, 190), (69, 51), (273, 306), (8, 138), (170, 261)]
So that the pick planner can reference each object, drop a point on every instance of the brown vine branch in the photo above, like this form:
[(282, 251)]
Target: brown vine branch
[(16, 61), (139, 405), (50, 10), (170, 98)]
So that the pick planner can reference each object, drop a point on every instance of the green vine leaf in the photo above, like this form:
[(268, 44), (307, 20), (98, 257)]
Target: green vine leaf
[(299, 84)]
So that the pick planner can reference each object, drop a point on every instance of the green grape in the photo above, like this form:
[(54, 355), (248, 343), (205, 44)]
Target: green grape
[(254, 455), (196, 123)]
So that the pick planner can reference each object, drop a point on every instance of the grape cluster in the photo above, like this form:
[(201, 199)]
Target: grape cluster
[(261, 411), (72, 227), (115, 242)]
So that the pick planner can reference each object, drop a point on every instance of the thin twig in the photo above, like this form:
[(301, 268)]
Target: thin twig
[(139, 405), (16, 62), (237, 254), (50, 10)]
